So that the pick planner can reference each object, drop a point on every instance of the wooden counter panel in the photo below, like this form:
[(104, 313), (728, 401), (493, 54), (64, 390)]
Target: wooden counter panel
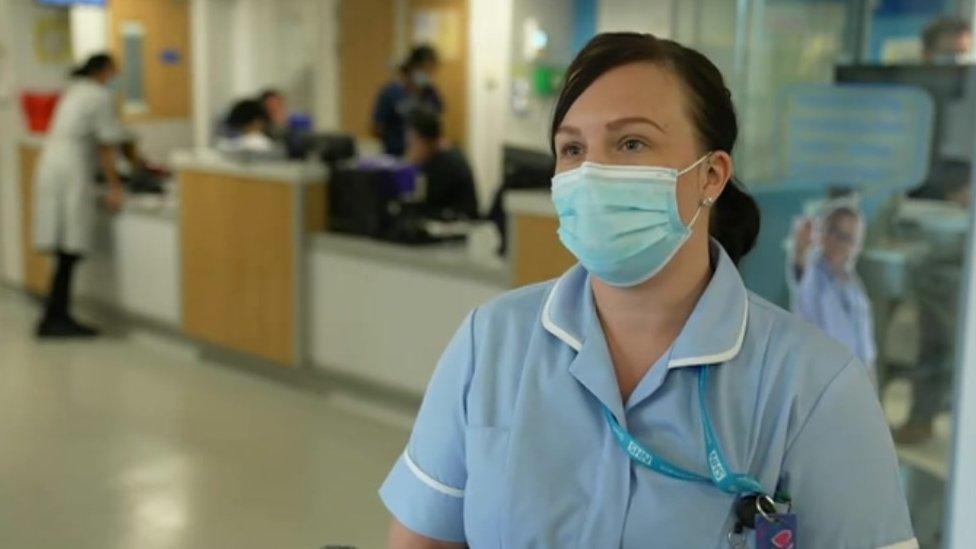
[(37, 265), (538, 253), (238, 263), (316, 208)]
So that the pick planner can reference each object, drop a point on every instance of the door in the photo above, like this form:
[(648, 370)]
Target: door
[(444, 25), (366, 59), (151, 39)]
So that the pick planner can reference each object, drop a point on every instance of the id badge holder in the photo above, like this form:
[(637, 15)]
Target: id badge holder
[(776, 531), (757, 516)]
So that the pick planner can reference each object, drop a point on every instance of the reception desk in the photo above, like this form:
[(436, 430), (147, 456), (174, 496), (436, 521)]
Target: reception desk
[(242, 243), (384, 312), (236, 257), (535, 252), (37, 266)]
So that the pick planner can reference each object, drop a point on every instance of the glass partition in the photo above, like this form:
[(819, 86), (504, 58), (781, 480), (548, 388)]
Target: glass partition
[(857, 140)]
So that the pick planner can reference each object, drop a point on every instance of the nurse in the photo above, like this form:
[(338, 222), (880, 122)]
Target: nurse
[(85, 130), (645, 398), (827, 292)]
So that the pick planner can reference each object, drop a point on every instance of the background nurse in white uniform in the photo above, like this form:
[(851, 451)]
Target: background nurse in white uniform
[(646, 398), (83, 137)]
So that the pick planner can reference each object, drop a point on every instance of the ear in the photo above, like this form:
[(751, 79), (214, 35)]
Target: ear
[(719, 166)]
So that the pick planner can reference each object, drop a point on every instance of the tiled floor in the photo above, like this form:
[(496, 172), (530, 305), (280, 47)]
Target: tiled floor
[(134, 443)]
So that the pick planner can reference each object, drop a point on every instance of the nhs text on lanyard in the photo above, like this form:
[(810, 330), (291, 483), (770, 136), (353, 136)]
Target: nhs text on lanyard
[(773, 530)]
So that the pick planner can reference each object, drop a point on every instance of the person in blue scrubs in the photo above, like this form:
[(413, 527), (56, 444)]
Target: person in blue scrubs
[(827, 292), (411, 92), (645, 398)]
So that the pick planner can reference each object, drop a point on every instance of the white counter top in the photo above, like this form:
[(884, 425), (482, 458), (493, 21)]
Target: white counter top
[(531, 202), (162, 206), (449, 258), (284, 171)]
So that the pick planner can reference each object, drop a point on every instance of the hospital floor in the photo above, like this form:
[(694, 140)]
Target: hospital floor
[(133, 442)]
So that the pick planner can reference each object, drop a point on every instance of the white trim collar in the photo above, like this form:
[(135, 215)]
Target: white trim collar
[(551, 326), (707, 328)]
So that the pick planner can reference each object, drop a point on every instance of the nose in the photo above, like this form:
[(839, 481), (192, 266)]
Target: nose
[(597, 156)]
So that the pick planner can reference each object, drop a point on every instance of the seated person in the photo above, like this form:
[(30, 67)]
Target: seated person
[(450, 185), (828, 292), (247, 126), (275, 106)]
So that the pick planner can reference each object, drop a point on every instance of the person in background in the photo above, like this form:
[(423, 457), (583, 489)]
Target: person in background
[(83, 137), (450, 185), (276, 107), (936, 282), (947, 40), (827, 290), (247, 125), (413, 90)]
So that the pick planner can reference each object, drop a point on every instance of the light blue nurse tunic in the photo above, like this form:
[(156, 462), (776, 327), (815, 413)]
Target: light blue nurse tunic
[(839, 307), (511, 447)]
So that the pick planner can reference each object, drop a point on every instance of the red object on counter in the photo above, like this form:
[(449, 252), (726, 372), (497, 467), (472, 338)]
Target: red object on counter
[(39, 109)]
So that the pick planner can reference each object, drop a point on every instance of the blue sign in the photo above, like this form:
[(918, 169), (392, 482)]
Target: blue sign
[(170, 56), (858, 135)]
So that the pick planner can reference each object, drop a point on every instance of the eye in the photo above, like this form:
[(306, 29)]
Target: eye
[(570, 151), (632, 144)]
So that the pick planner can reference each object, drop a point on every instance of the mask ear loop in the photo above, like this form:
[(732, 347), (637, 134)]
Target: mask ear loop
[(706, 202)]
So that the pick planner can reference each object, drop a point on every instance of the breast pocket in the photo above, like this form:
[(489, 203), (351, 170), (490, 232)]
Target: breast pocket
[(486, 451)]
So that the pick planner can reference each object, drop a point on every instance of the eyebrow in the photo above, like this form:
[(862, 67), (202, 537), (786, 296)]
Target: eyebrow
[(620, 122), (569, 129)]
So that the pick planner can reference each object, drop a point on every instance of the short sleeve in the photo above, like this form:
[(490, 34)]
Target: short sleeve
[(108, 127), (425, 489), (842, 473)]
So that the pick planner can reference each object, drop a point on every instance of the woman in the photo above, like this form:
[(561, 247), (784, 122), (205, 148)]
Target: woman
[(411, 92), (247, 127), (83, 137), (574, 413), (828, 292)]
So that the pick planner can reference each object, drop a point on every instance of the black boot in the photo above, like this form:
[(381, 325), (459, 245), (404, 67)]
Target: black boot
[(57, 321)]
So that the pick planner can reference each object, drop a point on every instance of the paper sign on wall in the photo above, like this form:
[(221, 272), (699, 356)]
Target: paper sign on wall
[(52, 38)]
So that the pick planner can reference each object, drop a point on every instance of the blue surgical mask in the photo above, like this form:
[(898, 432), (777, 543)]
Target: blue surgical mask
[(420, 78), (621, 222)]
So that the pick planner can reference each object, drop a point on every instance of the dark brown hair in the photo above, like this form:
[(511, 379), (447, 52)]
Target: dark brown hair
[(93, 65), (735, 216)]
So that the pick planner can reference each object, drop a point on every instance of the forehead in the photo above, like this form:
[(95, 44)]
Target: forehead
[(636, 89)]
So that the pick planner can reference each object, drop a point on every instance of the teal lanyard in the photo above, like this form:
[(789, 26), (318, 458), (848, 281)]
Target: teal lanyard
[(718, 467)]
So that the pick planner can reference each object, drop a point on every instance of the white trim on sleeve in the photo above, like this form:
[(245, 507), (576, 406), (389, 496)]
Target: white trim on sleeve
[(433, 483), (907, 544)]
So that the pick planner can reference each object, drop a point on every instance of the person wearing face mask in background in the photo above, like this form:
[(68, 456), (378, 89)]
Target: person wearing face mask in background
[(83, 138), (827, 291), (646, 397), (413, 90), (947, 41)]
